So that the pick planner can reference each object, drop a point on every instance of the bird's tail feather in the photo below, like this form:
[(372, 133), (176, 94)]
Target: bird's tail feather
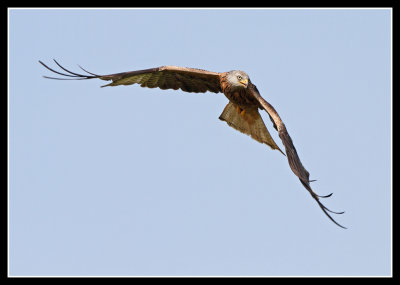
[(249, 122)]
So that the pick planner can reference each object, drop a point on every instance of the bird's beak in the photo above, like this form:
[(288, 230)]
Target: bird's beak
[(244, 82)]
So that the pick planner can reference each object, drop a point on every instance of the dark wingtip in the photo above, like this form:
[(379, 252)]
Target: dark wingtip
[(72, 75), (88, 71), (326, 196), (326, 210)]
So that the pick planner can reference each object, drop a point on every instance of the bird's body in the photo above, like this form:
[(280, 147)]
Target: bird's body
[(238, 94), (241, 112)]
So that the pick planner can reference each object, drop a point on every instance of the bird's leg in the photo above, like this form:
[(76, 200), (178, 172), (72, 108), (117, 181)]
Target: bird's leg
[(241, 111), (238, 109)]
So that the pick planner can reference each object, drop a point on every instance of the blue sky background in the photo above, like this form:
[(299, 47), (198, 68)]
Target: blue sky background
[(130, 181)]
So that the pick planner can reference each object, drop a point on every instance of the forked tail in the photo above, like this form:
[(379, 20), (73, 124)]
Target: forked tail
[(249, 122)]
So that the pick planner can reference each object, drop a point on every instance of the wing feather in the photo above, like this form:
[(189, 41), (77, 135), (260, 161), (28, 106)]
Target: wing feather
[(164, 77), (291, 153)]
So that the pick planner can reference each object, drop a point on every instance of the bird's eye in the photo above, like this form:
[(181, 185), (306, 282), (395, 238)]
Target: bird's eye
[(239, 77)]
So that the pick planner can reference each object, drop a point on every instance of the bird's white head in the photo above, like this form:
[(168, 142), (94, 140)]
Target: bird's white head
[(238, 79)]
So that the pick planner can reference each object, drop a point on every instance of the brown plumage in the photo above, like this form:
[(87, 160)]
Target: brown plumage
[(241, 113)]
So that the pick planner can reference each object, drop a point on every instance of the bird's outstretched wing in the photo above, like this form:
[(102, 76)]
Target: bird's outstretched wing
[(292, 156), (164, 77)]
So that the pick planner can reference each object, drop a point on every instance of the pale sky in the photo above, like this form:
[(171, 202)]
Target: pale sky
[(131, 181)]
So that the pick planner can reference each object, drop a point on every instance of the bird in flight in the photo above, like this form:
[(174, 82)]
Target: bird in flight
[(241, 112)]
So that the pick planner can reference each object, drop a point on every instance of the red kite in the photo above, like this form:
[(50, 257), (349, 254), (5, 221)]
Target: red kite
[(241, 112)]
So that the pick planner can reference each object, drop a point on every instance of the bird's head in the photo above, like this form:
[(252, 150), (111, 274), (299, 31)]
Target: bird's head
[(238, 79)]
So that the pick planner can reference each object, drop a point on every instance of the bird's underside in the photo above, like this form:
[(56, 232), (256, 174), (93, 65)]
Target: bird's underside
[(241, 112)]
